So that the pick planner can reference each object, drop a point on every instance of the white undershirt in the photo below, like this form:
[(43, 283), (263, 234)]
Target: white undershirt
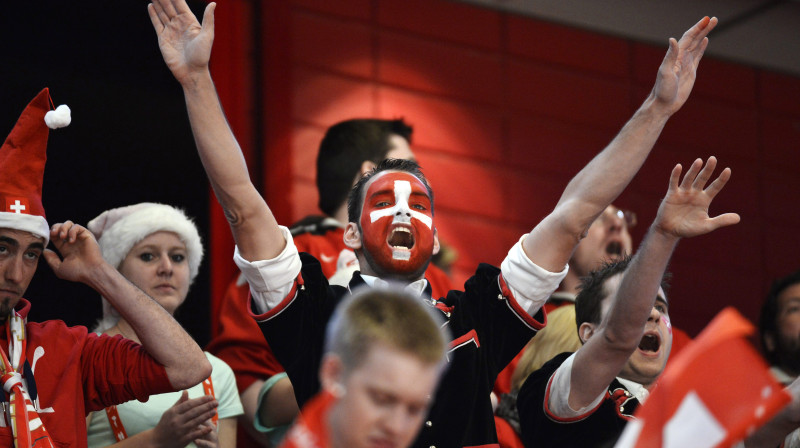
[(558, 398)]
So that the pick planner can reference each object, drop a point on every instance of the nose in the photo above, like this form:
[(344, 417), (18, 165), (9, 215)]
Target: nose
[(655, 315), (395, 422), (165, 266), (14, 273), (615, 221)]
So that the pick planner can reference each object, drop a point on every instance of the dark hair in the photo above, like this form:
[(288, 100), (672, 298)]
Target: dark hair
[(344, 148), (768, 321), (354, 201), (592, 290)]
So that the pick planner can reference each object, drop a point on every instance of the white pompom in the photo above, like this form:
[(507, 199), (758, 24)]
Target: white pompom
[(58, 118)]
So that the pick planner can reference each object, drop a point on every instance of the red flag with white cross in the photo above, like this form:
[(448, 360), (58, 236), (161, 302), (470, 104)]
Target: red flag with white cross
[(715, 393)]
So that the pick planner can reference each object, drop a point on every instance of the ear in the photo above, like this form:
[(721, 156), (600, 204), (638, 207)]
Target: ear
[(352, 236), (366, 167), (769, 342), (436, 246), (585, 331), (331, 374)]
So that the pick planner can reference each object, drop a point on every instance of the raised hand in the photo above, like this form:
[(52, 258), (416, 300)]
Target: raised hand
[(79, 249), (678, 70), (684, 211), (185, 44), (186, 421)]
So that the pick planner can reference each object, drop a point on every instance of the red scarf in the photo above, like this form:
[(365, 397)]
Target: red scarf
[(26, 426)]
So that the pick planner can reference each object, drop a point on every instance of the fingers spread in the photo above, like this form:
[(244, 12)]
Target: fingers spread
[(675, 176), (208, 18), (724, 220), (157, 24), (688, 179), (718, 183), (181, 7), (169, 8), (705, 174), (162, 16)]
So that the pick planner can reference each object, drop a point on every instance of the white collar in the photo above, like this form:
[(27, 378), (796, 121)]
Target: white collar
[(637, 390), (415, 288), (781, 376)]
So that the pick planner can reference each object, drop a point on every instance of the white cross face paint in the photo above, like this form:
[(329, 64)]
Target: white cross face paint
[(397, 223), (402, 211)]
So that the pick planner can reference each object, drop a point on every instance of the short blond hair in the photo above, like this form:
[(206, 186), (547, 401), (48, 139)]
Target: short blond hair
[(559, 336), (388, 316)]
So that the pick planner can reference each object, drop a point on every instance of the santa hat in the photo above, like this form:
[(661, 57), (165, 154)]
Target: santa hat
[(22, 160), (119, 229)]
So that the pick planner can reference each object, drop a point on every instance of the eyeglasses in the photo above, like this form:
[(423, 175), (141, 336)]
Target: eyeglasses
[(627, 216)]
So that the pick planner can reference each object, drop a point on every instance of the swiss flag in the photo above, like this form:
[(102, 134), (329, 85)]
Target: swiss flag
[(715, 393)]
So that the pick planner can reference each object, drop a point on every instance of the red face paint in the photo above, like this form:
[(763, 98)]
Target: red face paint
[(397, 224)]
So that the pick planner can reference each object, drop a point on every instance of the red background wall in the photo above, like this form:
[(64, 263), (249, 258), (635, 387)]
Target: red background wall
[(505, 110)]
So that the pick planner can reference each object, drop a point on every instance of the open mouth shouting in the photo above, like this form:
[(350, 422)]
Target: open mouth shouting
[(614, 250), (650, 344), (401, 240)]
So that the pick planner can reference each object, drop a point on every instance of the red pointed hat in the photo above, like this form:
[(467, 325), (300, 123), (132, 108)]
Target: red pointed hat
[(22, 160)]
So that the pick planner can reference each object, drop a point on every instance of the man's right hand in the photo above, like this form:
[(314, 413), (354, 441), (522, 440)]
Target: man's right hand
[(185, 44)]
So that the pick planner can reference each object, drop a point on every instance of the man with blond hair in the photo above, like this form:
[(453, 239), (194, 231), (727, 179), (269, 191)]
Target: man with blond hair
[(384, 355)]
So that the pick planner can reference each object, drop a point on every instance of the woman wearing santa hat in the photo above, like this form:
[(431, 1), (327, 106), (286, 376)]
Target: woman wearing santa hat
[(158, 249)]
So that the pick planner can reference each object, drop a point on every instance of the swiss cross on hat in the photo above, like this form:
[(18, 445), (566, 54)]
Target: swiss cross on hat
[(22, 160)]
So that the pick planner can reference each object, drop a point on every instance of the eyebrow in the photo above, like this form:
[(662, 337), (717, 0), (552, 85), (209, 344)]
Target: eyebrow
[(420, 193), (10, 241), (156, 247), (15, 244), (380, 192)]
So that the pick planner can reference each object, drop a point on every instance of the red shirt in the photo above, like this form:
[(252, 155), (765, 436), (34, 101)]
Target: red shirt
[(77, 372), (310, 430)]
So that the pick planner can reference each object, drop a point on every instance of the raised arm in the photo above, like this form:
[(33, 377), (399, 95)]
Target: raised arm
[(683, 213), (551, 243), (186, 47), (163, 338)]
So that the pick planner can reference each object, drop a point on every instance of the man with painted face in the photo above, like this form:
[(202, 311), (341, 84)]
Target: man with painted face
[(349, 149), (499, 310), (585, 398)]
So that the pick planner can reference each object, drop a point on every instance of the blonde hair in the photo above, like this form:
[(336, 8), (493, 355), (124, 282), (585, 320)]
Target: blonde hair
[(391, 317), (560, 335)]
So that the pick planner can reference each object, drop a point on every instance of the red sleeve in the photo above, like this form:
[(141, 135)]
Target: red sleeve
[(116, 370), (240, 342), (325, 248)]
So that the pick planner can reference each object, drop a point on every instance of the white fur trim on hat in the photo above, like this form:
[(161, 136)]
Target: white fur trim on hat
[(119, 229), (34, 224)]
